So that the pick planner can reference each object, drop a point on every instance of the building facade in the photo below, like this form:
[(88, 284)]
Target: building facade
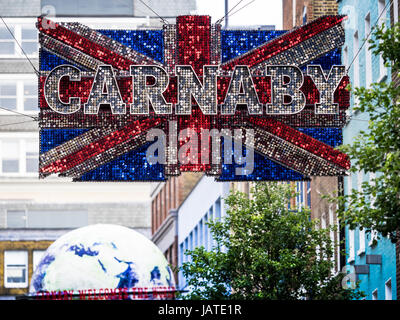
[(33, 212), (166, 199), (295, 14), (204, 203), (298, 12), (373, 262)]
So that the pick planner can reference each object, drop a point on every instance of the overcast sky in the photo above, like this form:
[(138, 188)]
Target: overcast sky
[(258, 12)]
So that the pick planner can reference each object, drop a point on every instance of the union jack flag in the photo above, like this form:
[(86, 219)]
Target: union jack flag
[(107, 146)]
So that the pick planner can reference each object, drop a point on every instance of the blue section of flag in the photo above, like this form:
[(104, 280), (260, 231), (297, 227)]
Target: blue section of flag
[(148, 42), (267, 170), (237, 42), (51, 138), (131, 166)]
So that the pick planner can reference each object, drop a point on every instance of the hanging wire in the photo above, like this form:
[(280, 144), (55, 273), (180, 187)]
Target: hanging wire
[(365, 40), (219, 20), (19, 113), (14, 123), (162, 19), (240, 9), (23, 51)]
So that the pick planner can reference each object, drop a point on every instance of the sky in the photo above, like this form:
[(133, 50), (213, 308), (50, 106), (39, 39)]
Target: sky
[(258, 12)]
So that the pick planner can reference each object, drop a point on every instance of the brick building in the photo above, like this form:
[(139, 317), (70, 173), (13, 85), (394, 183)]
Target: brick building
[(166, 199), (297, 13)]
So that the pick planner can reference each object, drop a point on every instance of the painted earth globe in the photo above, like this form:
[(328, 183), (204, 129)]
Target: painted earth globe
[(98, 257)]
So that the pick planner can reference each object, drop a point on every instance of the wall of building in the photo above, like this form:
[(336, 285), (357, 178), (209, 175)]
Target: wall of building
[(204, 203), (166, 198), (297, 13), (365, 69), (26, 246)]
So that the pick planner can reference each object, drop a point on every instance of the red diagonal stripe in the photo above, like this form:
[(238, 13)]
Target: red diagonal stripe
[(84, 45), (101, 145), (302, 140), (285, 42)]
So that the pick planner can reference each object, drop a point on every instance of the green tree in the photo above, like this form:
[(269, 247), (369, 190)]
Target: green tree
[(377, 150), (264, 250)]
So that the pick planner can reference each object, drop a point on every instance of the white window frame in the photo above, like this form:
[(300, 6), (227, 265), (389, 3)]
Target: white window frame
[(375, 294), (22, 138), (373, 233), (361, 235), (368, 53), (12, 284), (19, 80), (395, 11), (388, 290), (17, 24), (382, 19), (356, 63), (351, 246)]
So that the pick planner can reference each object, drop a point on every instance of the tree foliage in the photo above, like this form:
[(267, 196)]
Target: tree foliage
[(377, 150), (264, 250)]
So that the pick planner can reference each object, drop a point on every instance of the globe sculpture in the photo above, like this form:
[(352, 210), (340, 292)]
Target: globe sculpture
[(99, 258)]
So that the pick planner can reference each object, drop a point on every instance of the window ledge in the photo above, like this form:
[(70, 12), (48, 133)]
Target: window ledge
[(350, 259), (361, 251)]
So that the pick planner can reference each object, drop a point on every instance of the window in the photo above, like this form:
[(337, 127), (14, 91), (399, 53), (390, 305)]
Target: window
[(10, 156), (346, 56), (396, 11), (218, 209), (31, 156), (323, 221), (46, 219), (25, 34), (361, 234), (294, 12), (30, 102), (382, 20), (351, 245), (205, 232), (388, 290), (196, 237), (15, 269), (201, 233), (368, 54), (37, 256), (16, 219), (19, 156), (8, 94), (375, 294), (18, 93), (304, 15), (308, 196), (29, 40), (7, 44), (356, 63)]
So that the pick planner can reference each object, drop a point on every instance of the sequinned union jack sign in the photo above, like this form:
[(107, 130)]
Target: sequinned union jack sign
[(143, 105)]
